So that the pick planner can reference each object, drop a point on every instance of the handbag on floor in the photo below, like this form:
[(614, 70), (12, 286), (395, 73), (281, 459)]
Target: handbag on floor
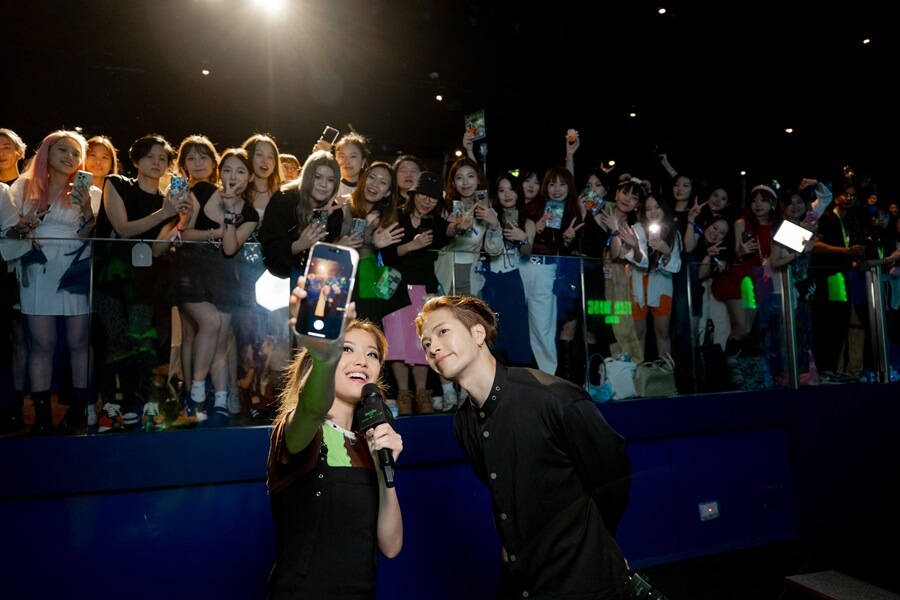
[(655, 378), (620, 374)]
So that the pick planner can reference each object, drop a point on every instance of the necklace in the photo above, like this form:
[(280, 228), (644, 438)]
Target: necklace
[(347, 434)]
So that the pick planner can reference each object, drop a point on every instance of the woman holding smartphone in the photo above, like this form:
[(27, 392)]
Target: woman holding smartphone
[(224, 218), (467, 195), (322, 469), (288, 235), (424, 231), (748, 284), (797, 207), (129, 303), (55, 214), (503, 289)]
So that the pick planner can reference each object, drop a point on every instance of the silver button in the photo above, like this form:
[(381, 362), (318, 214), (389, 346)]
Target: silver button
[(493, 476), (512, 558), (497, 389), (502, 516), (318, 494), (321, 476), (493, 397), (486, 434), (481, 414), (524, 594)]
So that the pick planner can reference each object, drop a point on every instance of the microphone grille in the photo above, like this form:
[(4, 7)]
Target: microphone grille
[(371, 389)]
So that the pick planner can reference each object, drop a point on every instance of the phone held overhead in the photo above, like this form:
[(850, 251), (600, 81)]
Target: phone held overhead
[(330, 276)]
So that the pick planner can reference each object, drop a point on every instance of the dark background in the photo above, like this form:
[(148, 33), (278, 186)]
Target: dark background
[(714, 84)]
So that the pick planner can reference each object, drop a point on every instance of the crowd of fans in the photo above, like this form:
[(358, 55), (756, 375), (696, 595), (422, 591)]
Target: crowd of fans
[(149, 276)]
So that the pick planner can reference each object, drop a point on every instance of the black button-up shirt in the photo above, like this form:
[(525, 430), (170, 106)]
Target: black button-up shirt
[(559, 478)]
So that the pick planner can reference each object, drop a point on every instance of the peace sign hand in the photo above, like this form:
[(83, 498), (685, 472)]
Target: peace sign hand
[(694, 212), (569, 234)]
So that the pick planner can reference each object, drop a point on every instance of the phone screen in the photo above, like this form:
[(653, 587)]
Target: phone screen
[(426, 223), (792, 236), (359, 227), (330, 276)]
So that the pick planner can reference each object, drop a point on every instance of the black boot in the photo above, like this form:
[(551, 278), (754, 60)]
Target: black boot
[(43, 413), (13, 418), (75, 416)]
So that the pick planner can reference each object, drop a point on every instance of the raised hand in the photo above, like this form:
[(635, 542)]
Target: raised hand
[(569, 234), (385, 236), (694, 211)]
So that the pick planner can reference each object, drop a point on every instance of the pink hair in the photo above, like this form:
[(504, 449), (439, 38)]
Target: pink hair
[(37, 173)]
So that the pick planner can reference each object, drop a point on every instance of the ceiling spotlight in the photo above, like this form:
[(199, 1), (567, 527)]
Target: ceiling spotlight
[(632, 114), (661, 10), (439, 98), (205, 71), (789, 130)]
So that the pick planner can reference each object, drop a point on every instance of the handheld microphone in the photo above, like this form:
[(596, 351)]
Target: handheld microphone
[(371, 413)]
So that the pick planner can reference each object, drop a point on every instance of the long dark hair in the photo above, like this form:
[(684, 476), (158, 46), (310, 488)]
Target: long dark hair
[(520, 197), (387, 206)]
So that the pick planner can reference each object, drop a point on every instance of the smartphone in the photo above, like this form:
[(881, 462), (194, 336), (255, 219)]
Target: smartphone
[(812, 217), (83, 180), (330, 276), (426, 223), (747, 236), (481, 196), (512, 216), (457, 209), (330, 135), (178, 187), (792, 236), (320, 216), (358, 227)]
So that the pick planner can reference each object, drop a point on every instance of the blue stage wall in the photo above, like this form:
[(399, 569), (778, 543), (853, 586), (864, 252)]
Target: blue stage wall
[(184, 514)]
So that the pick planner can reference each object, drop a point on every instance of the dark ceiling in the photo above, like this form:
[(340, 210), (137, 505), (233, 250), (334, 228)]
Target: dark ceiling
[(717, 84)]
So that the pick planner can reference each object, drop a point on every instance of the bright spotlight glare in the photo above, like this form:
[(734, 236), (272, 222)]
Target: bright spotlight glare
[(272, 7)]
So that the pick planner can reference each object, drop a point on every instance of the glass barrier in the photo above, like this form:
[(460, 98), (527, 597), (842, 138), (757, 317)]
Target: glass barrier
[(162, 338)]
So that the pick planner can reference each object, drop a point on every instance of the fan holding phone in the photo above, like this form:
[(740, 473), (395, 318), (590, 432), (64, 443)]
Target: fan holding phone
[(291, 226)]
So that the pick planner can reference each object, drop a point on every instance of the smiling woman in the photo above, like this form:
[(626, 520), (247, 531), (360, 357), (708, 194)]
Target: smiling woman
[(321, 469), (59, 213)]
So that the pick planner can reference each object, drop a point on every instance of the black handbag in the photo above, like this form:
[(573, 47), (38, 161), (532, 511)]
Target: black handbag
[(712, 365)]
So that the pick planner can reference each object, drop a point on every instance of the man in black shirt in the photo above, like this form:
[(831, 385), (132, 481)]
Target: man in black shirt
[(558, 474)]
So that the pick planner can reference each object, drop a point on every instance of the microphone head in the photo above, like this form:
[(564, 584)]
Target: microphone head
[(370, 389)]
